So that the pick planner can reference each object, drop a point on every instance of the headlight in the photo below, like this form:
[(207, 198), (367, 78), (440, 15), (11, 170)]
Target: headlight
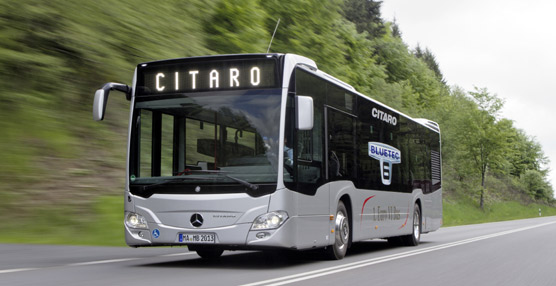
[(134, 220), (270, 220)]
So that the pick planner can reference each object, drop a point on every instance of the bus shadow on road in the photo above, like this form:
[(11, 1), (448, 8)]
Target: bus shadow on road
[(376, 246), (272, 259), (242, 260)]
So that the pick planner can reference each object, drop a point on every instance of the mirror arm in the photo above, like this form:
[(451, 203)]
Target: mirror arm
[(119, 87)]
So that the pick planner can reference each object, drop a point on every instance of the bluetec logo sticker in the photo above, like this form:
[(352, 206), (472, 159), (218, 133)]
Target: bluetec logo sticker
[(387, 155), (156, 233)]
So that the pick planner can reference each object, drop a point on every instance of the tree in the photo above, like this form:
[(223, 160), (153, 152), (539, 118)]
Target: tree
[(420, 88), (536, 186), (237, 26), (365, 14), (395, 28), (428, 57), (310, 28), (483, 134), (527, 155)]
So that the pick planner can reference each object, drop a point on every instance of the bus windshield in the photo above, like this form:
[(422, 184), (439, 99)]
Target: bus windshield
[(210, 138)]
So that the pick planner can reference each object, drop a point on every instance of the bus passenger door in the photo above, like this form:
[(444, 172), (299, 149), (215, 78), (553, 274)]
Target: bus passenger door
[(340, 145), (313, 195)]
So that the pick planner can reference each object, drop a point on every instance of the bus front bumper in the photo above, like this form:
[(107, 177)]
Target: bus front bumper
[(238, 236)]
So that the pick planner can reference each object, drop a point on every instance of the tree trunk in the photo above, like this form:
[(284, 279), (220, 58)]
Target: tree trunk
[(482, 200)]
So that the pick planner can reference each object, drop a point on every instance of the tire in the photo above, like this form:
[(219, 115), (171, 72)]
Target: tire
[(209, 253), (414, 238), (342, 233)]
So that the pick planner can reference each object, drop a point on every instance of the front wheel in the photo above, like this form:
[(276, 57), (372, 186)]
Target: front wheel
[(342, 231)]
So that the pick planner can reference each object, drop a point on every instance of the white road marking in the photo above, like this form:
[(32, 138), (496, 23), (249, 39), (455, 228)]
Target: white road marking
[(354, 265), (87, 263), (101, 262), (178, 254), (15, 270)]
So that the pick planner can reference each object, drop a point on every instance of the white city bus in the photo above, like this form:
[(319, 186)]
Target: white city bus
[(265, 151)]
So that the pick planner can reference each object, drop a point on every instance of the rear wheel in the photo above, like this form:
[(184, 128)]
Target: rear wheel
[(415, 237), (342, 231)]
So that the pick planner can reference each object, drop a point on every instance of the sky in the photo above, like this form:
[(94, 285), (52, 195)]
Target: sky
[(508, 47)]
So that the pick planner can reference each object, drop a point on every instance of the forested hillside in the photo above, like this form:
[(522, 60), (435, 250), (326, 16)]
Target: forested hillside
[(55, 161)]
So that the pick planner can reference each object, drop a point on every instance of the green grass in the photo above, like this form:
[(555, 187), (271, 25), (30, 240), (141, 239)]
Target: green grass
[(101, 225), (108, 229), (466, 211)]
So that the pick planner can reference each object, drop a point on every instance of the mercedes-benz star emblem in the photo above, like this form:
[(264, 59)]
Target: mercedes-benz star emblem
[(196, 220)]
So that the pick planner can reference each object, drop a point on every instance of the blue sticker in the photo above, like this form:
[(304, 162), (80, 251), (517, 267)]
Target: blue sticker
[(156, 233)]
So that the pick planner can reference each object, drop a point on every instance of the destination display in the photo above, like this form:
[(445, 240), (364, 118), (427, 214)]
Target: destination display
[(182, 77)]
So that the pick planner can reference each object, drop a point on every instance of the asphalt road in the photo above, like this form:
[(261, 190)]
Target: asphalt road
[(519, 252)]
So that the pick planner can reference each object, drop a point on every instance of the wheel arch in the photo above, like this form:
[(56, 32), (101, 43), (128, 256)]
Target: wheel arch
[(418, 202), (346, 199)]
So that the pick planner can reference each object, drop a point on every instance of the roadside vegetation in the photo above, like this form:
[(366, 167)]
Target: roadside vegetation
[(61, 174)]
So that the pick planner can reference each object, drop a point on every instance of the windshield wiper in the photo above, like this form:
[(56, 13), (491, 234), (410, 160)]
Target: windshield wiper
[(171, 180), (219, 172), (245, 183)]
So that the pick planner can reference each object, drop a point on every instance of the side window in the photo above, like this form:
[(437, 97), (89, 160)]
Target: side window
[(341, 145), (167, 145), (305, 145), (367, 170), (156, 144), (309, 145), (305, 174), (145, 144), (422, 163), (312, 160), (340, 98), (373, 129)]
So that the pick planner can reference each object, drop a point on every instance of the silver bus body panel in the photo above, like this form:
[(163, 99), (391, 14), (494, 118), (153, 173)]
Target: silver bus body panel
[(383, 215), (375, 214), (310, 214), (432, 211)]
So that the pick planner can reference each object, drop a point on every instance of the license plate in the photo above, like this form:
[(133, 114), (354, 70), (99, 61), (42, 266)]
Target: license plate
[(197, 237)]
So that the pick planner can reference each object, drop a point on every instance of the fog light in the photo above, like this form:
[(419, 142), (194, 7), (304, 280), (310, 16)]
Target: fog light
[(262, 235)]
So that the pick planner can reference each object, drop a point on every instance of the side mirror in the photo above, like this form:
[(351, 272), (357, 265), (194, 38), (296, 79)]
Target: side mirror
[(304, 112), (101, 98)]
